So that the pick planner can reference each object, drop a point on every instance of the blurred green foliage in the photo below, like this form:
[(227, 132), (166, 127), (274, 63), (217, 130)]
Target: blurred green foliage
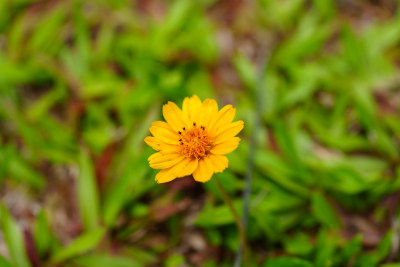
[(81, 81)]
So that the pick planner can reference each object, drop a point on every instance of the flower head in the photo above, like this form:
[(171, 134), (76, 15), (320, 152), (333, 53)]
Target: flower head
[(194, 140)]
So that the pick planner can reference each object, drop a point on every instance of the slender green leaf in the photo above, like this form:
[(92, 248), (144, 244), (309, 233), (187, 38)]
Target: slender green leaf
[(13, 238), (286, 262), (88, 198), (323, 211), (106, 261), (80, 245)]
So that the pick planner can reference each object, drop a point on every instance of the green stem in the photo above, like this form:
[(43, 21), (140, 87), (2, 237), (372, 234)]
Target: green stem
[(239, 224)]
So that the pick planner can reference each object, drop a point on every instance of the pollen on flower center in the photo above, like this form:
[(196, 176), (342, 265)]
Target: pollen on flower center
[(194, 142)]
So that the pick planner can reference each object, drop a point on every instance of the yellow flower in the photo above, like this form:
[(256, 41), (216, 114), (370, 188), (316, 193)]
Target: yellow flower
[(194, 140)]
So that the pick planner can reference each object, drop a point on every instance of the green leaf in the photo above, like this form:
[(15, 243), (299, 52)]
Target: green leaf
[(4, 262), (246, 71), (129, 182), (383, 249), (13, 238), (219, 215), (87, 192), (18, 168), (128, 186), (274, 224), (299, 244), (325, 8), (349, 250), (80, 245), (323, 211), (228, 179), (42, 234), (325, 246), (40, 108), (308, 39), (105, 261), (384, 246), (46, 36), (175, 260), (100, 84), (286, 138), (287, 262), (280, 172)]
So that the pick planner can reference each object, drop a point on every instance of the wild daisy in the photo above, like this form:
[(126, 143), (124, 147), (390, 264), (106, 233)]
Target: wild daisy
[(194, 140)]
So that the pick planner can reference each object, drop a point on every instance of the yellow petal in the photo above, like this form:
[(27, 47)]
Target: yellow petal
[(209, 165), (163, 152), (208, 110), (174, 116), (225, 116), (164, 175), (191, 109), (228, 132), (166, 161), (189, 168), (186, 107), (153, 142), (183, 168), (203, 173), (194, 108), (160, 157), (165, 135), (220, 162), (226, 147), (157, 144), (164, 125)]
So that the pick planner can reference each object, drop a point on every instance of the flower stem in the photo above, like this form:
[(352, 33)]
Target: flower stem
[(238, 221), (258, 101)]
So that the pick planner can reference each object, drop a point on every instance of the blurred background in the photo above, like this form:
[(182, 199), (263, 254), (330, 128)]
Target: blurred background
[(81, 82)]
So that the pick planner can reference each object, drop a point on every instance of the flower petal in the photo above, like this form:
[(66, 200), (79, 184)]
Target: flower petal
[(165, 135), (158, 144), (208, 109), (226, 147), (165, 161), (220, 162), (189, 168), (224, 116), (228, 132), (190, 107), (204, 172), (186, 107), (183, 168), (164, 176), (174, 116), (164, 125), (163, 152), (194, 108)]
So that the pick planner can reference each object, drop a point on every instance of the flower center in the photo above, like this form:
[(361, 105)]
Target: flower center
[(195, 142)]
